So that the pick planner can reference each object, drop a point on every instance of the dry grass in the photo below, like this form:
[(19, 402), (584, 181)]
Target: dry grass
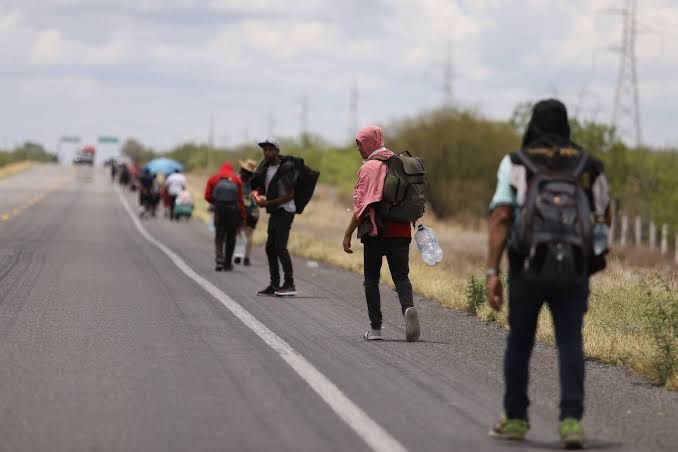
[(614, 331), (14, 168)]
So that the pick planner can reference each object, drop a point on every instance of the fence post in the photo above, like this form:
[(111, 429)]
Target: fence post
[(613, 224), (653, 236), (624, 230), (639, 231), (665, 239)]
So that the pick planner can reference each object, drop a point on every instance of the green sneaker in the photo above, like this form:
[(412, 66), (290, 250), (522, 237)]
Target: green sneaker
[(510, 429), (571, 433)]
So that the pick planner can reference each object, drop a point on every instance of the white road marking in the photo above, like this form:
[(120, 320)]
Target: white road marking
[(376, 437)]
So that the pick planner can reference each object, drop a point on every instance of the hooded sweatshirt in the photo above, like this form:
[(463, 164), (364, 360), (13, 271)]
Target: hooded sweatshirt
[(369, 188), (225, 172)]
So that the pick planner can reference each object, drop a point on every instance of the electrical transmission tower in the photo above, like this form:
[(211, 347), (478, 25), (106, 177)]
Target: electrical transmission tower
[(626, 111)]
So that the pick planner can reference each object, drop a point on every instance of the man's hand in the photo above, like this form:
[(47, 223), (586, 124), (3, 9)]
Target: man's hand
[(495, 292), (347, 244)]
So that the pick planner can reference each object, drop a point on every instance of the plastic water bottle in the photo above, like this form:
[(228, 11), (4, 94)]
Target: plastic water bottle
[(600, 237), (210, 224), (427, 242)]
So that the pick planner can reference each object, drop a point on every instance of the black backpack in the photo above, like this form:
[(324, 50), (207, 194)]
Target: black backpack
[(553, 233), (307, 179), (404, 187), (225, 191)]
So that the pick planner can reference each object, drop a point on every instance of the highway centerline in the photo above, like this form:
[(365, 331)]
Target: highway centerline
[(375, 436)]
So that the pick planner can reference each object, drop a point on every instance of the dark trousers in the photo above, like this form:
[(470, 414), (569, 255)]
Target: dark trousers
[(173, 199), (568, 307), (279, 224), (397, 252), (226, 222)]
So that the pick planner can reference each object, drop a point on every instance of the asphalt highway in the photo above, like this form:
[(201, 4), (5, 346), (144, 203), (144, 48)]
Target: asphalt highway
[(117, 335)]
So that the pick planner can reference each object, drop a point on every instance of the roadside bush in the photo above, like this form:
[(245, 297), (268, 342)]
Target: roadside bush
[(661, 323), (475, 294)]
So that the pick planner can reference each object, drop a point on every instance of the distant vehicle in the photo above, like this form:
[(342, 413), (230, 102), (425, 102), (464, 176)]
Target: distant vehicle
[(85, 156)]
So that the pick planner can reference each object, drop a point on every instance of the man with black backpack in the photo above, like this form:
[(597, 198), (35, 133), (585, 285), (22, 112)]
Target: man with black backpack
[(551, 196), (384, 212), (273, 184), (224, 192)]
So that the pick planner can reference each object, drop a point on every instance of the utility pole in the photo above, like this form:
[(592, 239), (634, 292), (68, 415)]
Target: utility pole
[(303, 118), (626, 110), (448, 77), (354, 98), (271, 123), (210, 142)]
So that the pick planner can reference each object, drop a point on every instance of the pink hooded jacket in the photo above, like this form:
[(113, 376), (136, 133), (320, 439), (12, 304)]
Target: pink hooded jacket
[(369, 188)]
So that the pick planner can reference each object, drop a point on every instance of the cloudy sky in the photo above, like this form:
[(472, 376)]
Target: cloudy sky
[(157, 69)]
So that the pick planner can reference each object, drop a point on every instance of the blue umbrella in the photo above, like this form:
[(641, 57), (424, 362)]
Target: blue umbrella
[(163, 165)]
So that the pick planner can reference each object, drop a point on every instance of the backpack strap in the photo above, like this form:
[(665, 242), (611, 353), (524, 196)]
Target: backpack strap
[(381, 158), (527, 161), (581, 165)]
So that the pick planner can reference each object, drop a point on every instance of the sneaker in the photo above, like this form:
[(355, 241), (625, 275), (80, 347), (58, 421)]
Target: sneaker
[(287, 290), (571, 433), (247, 262), (219, 267), (236, 260), (267, 292), (412, 330), (373, 335), (510, 429)]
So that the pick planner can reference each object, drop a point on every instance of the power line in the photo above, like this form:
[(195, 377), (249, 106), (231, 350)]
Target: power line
[(626, 110)]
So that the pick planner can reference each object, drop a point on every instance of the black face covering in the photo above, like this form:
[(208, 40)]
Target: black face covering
[(548, 126)]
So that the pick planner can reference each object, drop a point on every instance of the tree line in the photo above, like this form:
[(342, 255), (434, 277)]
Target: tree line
[(462, 150)]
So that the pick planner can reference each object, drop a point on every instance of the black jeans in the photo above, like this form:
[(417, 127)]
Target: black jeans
[(397, 252), (173, 200), (226, 222), (568, 307), (279, 224)]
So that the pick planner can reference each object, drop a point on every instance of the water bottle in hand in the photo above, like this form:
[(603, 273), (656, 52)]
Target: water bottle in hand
[(427, 242), (210, 223), (600, 237)]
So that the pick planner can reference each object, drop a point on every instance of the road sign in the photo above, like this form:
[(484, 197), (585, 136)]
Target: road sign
[(69, 139), (108, 140)]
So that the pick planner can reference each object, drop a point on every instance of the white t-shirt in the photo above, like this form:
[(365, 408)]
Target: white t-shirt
[(289, 206), (175, 183)]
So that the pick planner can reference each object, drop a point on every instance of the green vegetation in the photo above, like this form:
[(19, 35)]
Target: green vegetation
[(462, 151), (475, 294), (27, 151), (661, 324)]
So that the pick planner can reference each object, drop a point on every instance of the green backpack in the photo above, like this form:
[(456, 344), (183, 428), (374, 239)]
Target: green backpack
[(404, 186)]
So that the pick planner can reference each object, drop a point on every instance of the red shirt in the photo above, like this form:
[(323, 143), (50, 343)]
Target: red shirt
[(393, 229)]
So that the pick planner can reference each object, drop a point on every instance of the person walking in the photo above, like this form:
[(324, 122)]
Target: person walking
[(224, 192), (247, 169), (550, 197), (380, 237), (174, 184), (273, 185)]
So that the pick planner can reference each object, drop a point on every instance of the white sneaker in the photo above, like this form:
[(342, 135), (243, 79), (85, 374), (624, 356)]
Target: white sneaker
[(373, 335), (412, 329)]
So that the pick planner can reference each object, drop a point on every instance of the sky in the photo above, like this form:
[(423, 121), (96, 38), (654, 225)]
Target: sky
[(158, 70)]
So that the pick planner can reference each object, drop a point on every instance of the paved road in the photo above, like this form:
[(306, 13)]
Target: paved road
[(107, 343)]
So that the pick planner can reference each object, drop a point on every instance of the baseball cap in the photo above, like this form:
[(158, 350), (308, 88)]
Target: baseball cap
[(269, 142)]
